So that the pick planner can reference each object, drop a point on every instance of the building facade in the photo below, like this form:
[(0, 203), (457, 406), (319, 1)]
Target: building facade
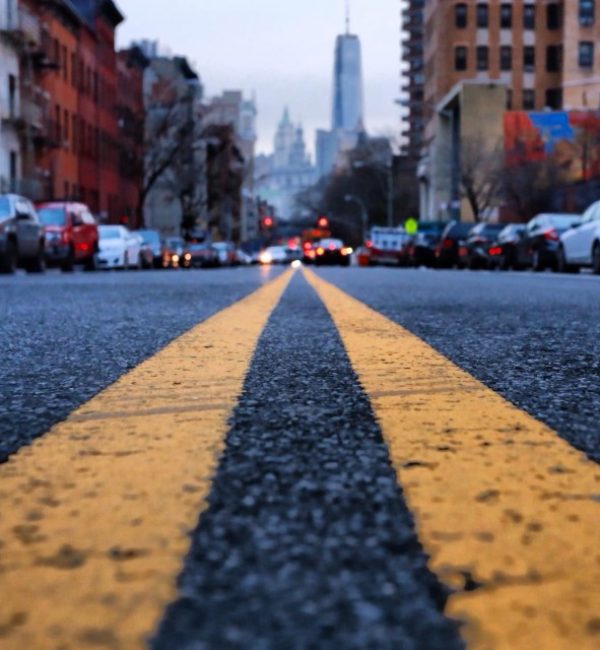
[(231, 108), (413, 82), (288, 171), (543, 54), (131, 65)]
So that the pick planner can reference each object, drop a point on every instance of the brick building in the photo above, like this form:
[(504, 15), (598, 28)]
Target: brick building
[(131, 64), (97, 116), (544, 54)]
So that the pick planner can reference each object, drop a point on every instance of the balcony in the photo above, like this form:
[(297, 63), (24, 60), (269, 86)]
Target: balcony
[(22, 27)]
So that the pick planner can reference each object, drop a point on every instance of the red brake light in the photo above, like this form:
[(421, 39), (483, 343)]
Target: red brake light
[(447, 243), (550, 235)]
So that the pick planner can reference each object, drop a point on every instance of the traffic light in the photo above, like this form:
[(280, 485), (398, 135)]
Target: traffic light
[(323, 223), (267, 222)]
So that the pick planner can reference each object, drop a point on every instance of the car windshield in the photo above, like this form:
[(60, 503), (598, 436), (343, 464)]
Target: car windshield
[(563, 220), (199, 247), (491, 230), (332, 243), (4, 207), (174, 242), (108, 232), (52, 216), (149, 236), (431, 227)]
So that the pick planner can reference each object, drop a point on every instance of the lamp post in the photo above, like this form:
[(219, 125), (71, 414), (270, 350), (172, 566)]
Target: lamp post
[(350, 198)]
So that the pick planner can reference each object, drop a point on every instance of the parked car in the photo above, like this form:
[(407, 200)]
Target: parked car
[(119, 248), (226, 251), (475, 252), (200, 256), (332, 252), (580, 246), (71, 235), (151, 250), (388, 246), (454, 236), (504, 252), (540, 244), (422, 246), (242, 257), (22, 240), (274, 255), (172, 252)]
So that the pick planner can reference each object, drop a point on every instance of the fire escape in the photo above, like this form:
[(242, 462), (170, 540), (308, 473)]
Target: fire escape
[(28, 107)]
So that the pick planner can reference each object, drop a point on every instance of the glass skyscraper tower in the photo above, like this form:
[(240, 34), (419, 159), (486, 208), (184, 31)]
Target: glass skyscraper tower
[(347, 85)]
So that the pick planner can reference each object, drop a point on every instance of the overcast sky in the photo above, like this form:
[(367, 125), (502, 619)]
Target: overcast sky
[(280, 49)]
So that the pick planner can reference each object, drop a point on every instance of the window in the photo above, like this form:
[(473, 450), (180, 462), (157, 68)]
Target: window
[(529, 17), (586, 54), (553, 16), (509, 99), (529, 58), (553, 58), (482, 57), (460, 57), (529, 99), (505, 16), (587, 12), (12, 94), (506, 58), (57, 125), (483, 15), (66, 123), (460, 15), (65, 64), (73, 70), (554, 98)]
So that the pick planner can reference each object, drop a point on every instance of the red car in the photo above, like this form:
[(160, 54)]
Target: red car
[(71, 234)]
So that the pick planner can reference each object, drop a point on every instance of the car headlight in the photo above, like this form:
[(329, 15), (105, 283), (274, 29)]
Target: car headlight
[(266, 258)]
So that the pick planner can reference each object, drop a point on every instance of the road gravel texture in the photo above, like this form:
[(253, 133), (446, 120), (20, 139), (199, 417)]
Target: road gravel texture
[(307, 542), (533, 338), (63, 338)]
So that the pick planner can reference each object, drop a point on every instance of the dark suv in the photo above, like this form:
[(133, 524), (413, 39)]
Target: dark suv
[(21, 235), (71, 235), (453, 238)]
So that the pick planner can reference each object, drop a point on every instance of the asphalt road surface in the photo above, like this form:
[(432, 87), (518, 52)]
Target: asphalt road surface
[(307, 539)]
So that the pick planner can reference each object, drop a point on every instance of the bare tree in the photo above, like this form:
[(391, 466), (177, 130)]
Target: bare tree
[(481, 168)]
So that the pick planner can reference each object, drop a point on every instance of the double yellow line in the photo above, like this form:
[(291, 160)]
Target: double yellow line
[(95, 516)]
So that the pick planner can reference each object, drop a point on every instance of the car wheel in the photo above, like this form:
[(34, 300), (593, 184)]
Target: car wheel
[(38, 263), (68, 264), (561, 265), (537, 263), (8, 262), (596, 258), (92, 263)]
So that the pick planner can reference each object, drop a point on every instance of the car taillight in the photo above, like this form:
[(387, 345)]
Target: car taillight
[(495, 250), (447, 243), (550, 235)]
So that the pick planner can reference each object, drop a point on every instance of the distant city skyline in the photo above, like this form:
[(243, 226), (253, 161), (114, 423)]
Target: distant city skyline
[(283, 52)]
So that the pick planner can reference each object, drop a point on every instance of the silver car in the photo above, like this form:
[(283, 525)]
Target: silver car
[(21, 235)]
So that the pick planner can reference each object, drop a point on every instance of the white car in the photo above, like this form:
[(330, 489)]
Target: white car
[(119, 248), (580, 246), (274, 255)]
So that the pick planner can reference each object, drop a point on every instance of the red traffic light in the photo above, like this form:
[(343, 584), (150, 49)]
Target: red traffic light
[(323, 222), (268, 222)]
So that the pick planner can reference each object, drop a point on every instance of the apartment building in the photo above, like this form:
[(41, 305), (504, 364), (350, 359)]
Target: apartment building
[(413, 83), (528, 54)]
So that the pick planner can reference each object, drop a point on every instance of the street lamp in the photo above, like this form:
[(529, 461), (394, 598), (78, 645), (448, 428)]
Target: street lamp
[(350, 198)]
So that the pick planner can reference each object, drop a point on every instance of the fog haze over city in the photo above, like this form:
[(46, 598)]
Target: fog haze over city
[(283, 51)]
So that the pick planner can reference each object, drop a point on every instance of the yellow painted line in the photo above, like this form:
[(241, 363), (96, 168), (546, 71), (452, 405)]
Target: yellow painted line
[(95, 516), (499, 499)]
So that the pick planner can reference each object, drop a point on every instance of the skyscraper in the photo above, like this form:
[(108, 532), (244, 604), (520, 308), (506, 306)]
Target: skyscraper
[(348, 84), (347, 121)]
